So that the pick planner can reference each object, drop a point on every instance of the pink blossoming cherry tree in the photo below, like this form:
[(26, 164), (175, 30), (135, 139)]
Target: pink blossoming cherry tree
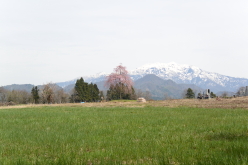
[(121, 79)]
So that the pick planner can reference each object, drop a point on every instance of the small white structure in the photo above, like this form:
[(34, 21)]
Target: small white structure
[(207, 95), (141, 99), (246, 91)]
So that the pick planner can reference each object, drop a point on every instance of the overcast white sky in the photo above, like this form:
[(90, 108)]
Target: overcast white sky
[(58, 40)]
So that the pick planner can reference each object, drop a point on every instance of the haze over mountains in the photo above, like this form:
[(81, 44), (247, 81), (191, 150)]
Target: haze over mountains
[(181, 74), (164, 80), (163, 89), (159, 88)]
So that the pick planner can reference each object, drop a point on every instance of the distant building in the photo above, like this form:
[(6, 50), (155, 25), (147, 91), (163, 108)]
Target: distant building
[(205, 95), (246, 91)]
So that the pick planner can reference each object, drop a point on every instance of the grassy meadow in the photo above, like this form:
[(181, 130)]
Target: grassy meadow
[(123, 135)]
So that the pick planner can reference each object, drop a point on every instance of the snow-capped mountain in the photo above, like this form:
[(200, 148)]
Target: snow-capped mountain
[(183, 74), (187, 74)]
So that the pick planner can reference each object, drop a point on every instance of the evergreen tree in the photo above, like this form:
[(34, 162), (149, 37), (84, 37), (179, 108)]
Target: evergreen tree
[(212, 95), (111, 93), (35, 94), (79, 90), (91, 92), (190, 94), (85, 92), (119, 91), (96, 93)]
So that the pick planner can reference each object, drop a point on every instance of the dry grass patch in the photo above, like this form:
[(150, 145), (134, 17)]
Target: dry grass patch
[(241, 102), (233, 103)]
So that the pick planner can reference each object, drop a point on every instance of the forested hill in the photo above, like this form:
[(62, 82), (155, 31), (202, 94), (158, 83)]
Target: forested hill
[(163, 89), (25, 87)]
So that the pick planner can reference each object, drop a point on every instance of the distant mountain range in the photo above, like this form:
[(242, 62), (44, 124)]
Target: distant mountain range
[(163, 79), (159, 88), (186, 74), (163, 89), (25, 87), (181, 74)]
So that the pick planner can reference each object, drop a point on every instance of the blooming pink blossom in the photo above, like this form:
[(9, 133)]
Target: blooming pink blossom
[(119, 76)]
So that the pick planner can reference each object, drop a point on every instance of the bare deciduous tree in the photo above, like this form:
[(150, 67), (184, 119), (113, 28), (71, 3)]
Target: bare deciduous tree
[(145, 94), (47, 93), (167, 97), (224, 94), (241, 91), (3, 95), (60, 96), (148, 95), (19, 97), (139, 93), (24, 97)]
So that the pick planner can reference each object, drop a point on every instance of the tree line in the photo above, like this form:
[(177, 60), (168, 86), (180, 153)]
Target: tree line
[(119, 84), (45, 94), (190, 94), (50, 93)]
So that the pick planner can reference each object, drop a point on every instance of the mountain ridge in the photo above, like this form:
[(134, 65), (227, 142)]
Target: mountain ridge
[(163, 89), (181, 74)]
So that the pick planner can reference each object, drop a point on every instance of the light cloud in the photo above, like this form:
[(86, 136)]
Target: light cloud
[(42, 41)]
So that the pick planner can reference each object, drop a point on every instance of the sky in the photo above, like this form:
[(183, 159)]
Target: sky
[(45, 41)]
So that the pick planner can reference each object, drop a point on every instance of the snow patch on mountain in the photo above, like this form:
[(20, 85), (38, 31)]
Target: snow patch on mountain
[(190, 75), (184, 74)]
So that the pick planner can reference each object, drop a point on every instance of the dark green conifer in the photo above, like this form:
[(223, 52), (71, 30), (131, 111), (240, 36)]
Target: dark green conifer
[(190, 94), (35, 94), (212, 95), (119, 91), (91, 92), (85, 92), (96, 96)]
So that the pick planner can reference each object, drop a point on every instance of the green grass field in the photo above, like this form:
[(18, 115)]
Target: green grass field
[(119, 135)]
